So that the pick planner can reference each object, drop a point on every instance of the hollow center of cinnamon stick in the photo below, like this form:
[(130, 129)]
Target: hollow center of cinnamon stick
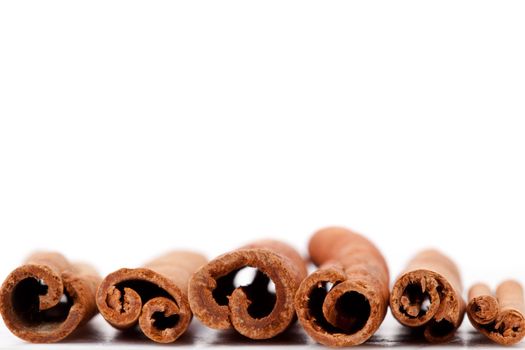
[(441, 329), (259, 289), (352, 310), (26, 303), (162, 322), (414, 302), (145, 289)]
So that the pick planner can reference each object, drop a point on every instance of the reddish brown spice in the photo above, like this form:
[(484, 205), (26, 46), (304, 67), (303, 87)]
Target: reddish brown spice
[(253, 310), (154, 296), (344, 302), (427, 296), (499, 317), (47, 298)]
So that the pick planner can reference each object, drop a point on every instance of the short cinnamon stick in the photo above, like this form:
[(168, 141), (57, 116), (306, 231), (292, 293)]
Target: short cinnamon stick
[(252, 310), (154, 296), (47, 298), (499, 317), (427, 296), (344, 302)]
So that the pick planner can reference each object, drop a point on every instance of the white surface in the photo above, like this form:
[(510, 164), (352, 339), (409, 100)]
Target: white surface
[(128, 128), (100, 335)]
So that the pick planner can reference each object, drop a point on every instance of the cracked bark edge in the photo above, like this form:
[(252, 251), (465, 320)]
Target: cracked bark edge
[(433, 278), (128, 297), (279, 263), (499, 317), (353, 266), (42, 281)]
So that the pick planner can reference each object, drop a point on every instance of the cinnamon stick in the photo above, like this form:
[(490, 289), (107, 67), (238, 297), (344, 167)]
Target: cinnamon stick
[(499, 317), (154, 296), (252, 310), (47, 298), (427, 296), (344, 302)]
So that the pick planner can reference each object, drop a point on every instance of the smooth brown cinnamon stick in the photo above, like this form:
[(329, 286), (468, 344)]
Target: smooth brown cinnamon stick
[(501, 317), (427, 296), (252, 310), (154, 296), (47, 298), (344, 302)]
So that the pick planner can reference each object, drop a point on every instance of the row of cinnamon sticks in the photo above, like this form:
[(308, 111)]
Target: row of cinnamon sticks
[(342, 303)]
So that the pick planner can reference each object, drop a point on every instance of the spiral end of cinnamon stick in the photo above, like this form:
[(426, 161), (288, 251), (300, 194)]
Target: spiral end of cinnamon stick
[(501, 317), (46, 299), (130, 296), (253, 309), (338, 310), (424, 298), (344, 302), (482, 307)]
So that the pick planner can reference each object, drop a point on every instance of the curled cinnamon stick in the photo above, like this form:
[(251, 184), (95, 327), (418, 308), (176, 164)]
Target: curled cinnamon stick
[(154, 296), (344, 302), (501, 317), (47, 298), (253, 310), (427, 296)]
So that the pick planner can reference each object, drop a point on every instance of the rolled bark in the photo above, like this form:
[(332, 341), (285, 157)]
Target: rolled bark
[(345, 301), (47, 298), (482, 307), (499, 317), (154, 296), (427, 296), (252, 310)]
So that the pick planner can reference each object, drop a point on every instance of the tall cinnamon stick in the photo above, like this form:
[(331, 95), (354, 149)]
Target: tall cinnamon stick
[(427, 296), (501, 317), (253, 310), (47, 298), (154, 296), (344, 302)]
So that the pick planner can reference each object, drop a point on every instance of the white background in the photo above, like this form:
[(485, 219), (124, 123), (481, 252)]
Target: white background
[(128, 128)]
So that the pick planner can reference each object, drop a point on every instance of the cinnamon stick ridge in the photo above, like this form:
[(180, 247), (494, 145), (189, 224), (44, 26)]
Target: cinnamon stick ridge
[(252, 310), (154, 296), (47, 298), (345, 301), (427, 296), (501, 317)]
